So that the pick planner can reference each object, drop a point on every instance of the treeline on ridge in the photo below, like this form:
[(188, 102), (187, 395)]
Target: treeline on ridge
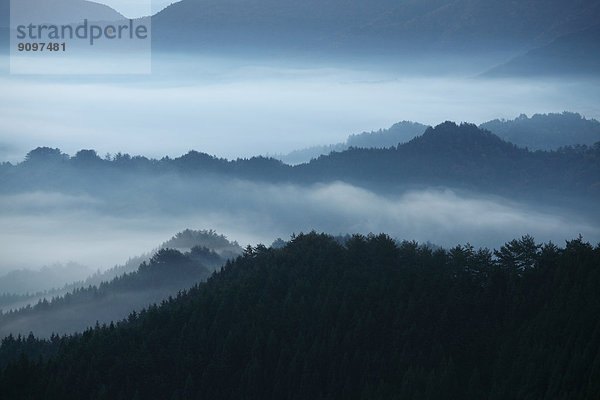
[(462, 157)]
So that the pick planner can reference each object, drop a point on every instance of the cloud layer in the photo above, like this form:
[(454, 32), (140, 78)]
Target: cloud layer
[(39, 229), (232, 110)]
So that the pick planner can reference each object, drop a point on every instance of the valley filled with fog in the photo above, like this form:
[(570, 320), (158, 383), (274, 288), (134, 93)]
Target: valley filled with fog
[(98, 219), (36, 233), (271, 199), (236, 108), (240, 108)]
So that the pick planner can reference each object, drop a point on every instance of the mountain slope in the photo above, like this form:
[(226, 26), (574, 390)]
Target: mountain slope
[(493, 23), (56, 12), (540, 132), (355, 25), (113, 294), (575, 54), (26, 287), (167, 272), (465, 157), (367, 320)]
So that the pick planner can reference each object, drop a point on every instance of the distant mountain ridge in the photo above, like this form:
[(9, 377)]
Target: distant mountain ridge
[(56, 12), (400, 132), (540, 132), (339, 23), (449, 155), (576, 54), (468, 25), (534, 37)]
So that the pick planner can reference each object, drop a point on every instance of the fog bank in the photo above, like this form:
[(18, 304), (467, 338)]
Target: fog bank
[(38, 229), (245, 110)]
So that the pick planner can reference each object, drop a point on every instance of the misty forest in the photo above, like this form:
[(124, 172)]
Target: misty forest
[(389, 199)]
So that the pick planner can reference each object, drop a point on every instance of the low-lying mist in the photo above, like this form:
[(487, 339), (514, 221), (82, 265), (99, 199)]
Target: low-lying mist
[(42, 228), (245, 108)]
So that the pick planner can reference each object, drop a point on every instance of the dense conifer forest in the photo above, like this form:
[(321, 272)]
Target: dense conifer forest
[(365, 318)]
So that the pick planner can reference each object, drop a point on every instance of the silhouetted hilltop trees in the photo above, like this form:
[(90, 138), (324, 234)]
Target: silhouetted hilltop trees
[(547, 131), (206, 242), (540, 132), (398, 133), (459, 156), (368, 319), (466, 157), (46, 155)]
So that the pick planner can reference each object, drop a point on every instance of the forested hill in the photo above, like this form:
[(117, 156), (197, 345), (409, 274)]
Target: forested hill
[(27, 287), (366, 320), (539, 132), (462, 156), (166, 273), (467, 157), (546, 131)]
